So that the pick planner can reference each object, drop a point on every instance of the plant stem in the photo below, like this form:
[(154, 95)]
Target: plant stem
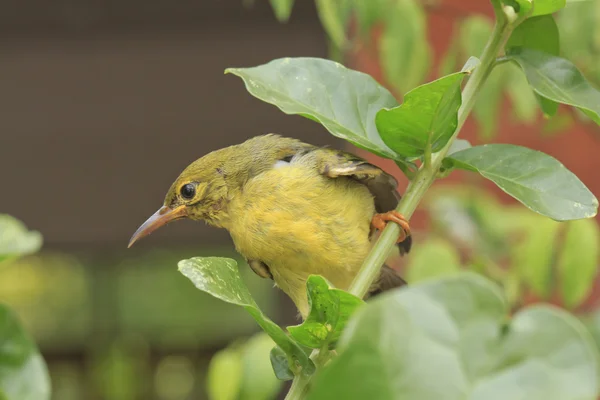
[(428, 171), (418, 186)]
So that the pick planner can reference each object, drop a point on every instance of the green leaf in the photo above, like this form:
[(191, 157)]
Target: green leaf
[(473, 35), (224, 378), (578, 261), (368, 13), (334, 18), (330, 309), (220, 278), (404, 51), (342, 100), (446, 339), (280, 364), (524, 100), (428, 117), (558, 80), (487, 108), (23, 373), (432, 259), (537, 180), (259, 381), (533, 254), (541, 7), (538, 33), (15, 239), (282, 9)]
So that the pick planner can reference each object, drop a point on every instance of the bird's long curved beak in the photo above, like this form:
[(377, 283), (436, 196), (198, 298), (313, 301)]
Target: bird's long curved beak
[(160, 218)]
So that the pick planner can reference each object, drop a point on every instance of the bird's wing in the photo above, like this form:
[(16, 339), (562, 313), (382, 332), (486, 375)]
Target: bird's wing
[(336, 163)]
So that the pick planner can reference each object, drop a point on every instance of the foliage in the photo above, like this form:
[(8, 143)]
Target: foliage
[(523, 251), (451, 336), (242, 371), (23, 373)]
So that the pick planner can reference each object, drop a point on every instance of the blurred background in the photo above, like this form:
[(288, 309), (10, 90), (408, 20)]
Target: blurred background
[(105, 102)]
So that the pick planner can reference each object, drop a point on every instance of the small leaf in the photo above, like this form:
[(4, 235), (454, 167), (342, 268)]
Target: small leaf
[(329, 311), (524, 101), (282, 9), (538, 33), (23, 373), (487, 108), (280, 364), (578, 261), (404, 51), (427, 116), (342, 100), (432, 259), (473, 34), (259, 381), (224, 378), (558, 80), (15, 239), (537, 180), (446, 338), (368, 13), (533, 253), (541, 7), (334, 18), (220, 278)]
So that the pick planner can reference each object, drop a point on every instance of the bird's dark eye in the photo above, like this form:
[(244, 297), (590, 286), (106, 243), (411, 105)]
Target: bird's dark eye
[(188, 191)]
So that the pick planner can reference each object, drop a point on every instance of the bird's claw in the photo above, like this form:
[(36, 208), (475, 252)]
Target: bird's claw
[(380, 220)]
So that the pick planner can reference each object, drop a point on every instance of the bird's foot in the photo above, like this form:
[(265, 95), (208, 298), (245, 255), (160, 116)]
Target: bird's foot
[(380, 220)]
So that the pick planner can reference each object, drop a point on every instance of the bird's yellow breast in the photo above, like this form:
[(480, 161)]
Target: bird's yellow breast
[(299, 223)]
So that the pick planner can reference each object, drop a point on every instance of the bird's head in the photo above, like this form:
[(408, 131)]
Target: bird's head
[(199, 193)]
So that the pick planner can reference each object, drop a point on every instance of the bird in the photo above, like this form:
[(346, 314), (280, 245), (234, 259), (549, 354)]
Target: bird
[(292, 210)]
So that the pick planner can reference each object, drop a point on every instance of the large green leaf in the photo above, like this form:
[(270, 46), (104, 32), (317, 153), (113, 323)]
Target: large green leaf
[(23, 374), (541, 7), (343, 100), (537, 180), (330, 310), (15, 239), (446, 339), (428, 117), (578, 261), (282, 9), (404, 51), (220, 278), (558, 80)]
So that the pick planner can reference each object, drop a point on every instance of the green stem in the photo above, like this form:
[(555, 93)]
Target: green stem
[(418, 186), (427, 173), (299, 387)]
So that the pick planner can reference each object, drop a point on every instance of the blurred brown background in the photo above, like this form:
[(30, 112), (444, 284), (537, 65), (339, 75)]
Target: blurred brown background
[(103, 104)]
